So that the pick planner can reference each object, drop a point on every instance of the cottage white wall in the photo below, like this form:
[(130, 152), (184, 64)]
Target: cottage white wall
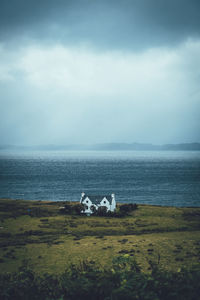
[(88, 203), (113, 204), (104, 202)]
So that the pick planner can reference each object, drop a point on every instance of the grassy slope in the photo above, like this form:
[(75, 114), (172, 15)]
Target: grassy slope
[(34, 233)]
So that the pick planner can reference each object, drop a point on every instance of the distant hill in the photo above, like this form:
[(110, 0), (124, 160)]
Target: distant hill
[(142, 147), (185, 146), (109, 147)]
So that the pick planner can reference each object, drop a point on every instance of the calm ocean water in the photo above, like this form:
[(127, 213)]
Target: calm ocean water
[(160, 178)]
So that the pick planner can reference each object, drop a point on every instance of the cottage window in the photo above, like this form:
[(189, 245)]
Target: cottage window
[(104, 201)]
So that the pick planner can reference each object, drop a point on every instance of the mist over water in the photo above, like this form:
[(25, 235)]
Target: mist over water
[(149, 177)]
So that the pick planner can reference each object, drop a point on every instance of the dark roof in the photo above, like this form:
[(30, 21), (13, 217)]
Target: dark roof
[(97, 199)]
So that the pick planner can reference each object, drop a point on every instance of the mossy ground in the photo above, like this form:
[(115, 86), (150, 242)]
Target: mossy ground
[(34, 233)]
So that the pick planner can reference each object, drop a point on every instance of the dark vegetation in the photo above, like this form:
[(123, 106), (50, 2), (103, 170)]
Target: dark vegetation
[(72, 209), (120, 212), (78, 209), (123, 281), (16, 208)]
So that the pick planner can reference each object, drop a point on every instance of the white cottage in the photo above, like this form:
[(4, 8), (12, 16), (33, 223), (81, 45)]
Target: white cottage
[(94, 202)]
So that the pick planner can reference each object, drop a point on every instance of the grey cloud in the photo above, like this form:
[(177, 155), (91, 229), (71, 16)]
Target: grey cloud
[(61, 95), (127, 24)]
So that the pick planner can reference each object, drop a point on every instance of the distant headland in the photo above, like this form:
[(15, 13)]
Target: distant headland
[(108, 147)]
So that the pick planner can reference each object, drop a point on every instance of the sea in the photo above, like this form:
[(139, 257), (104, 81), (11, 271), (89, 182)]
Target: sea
[(167, 178)]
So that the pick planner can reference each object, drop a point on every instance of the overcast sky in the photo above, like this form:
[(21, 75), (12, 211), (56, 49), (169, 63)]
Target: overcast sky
[(89, 71)]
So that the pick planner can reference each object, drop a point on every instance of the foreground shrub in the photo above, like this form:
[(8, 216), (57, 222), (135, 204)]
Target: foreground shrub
[(123, 281)]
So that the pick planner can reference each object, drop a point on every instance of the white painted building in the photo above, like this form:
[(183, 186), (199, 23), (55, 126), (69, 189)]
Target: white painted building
[(94, 202)]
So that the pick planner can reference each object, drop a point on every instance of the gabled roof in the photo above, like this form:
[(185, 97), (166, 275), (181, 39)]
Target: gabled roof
[(97, 199)]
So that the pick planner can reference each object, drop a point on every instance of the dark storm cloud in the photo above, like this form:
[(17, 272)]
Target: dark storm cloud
[(133, 24), (87, 71)]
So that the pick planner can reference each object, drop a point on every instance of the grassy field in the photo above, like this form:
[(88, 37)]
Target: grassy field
[(35, 234)]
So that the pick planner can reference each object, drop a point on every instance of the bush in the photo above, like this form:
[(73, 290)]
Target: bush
[(101, 211), (72, 209), (77, 208), (127, 208), (123, 280)]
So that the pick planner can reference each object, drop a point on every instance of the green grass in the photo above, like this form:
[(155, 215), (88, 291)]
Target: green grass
[(34, 233)]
